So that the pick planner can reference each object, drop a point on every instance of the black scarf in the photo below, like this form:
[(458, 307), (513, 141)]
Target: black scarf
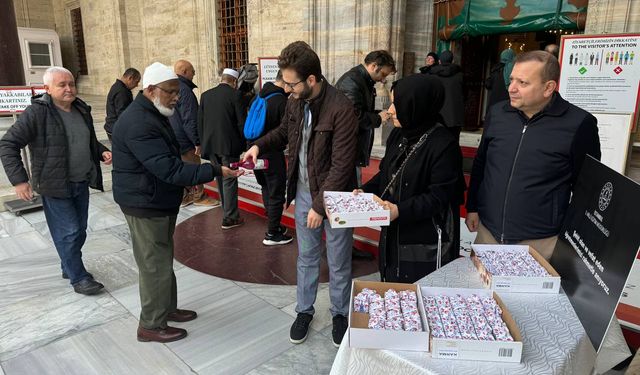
[(418, 99)]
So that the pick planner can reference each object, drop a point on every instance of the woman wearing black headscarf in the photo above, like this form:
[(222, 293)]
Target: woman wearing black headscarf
[(420, 179)]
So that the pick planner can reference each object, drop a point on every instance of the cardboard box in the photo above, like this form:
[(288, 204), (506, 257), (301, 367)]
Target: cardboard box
[(360, 336), (518, 284), (356, 219), (477, 350)]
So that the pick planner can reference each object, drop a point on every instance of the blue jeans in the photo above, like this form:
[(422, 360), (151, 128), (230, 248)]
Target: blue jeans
[(339, 246), (67, 221)]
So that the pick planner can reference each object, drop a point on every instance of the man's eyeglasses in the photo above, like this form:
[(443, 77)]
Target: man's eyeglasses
[(292, 85), (170, 92)]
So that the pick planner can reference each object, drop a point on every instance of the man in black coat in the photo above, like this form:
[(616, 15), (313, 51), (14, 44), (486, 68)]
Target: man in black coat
[(358, 85), (120, 97), (65, 162), (529, 159), (450, 75), (273, 180), (148, 180), (185, 126), (221, 130)]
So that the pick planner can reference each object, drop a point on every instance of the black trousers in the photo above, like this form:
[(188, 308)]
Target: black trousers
[(274, 183)]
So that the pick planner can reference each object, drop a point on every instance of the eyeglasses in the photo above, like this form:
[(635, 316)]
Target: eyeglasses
[(292, 85), (170, 92)]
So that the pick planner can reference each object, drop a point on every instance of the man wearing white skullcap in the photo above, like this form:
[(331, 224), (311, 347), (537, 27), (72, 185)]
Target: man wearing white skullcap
[(148, 181), (221, 128)]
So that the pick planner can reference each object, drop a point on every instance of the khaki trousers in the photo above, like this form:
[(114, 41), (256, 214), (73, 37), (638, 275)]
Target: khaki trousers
[(544, 246)]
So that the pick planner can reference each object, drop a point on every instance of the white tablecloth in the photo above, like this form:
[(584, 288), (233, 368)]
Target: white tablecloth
[(554, 341)]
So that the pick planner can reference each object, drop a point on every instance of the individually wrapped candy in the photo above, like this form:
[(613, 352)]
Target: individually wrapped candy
[(344, 203), (377, 321), (361, 303)]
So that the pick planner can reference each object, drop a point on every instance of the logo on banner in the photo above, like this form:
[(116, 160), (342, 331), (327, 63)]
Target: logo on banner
[(605, 196), (582, 70), (617, 70)]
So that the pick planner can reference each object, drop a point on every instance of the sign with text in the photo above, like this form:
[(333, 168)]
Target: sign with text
[(597, 245), (15, 99), (614, 131), (268, 68), (600, 73)]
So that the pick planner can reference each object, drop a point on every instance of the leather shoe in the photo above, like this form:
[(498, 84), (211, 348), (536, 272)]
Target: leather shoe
[(88, 287), (181, 316), (167, 334)]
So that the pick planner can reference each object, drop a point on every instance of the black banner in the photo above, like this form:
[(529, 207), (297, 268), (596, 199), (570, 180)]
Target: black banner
[(597, 245)]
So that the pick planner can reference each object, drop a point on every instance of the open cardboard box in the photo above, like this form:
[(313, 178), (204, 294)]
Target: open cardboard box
[(360, 336), (357, 219), (477, 350), (518, 284)]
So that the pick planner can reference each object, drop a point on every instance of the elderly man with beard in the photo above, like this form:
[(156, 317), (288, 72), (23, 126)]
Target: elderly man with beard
[(148, 180)]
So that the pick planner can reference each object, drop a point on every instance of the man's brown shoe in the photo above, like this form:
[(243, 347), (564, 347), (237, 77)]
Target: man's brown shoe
[(168, 334), (181, 316)]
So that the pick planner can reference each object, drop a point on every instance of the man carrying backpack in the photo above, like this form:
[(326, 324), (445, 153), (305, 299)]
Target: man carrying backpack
[(265, 115)]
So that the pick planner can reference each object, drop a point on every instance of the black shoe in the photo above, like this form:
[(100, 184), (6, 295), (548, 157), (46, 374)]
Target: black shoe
[(283, 229), (273, 239), (300, 328), (359, 254), (66, 277), (340, 325), (88, 287), (232, 223)]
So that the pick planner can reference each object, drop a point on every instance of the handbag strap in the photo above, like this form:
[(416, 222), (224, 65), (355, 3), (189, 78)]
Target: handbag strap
[(415, 147)]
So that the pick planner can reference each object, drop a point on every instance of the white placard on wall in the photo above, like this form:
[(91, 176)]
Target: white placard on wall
[(614, 130), (268, 68)]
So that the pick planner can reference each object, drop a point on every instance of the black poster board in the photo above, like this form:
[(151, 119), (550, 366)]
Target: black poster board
[(597, 245)]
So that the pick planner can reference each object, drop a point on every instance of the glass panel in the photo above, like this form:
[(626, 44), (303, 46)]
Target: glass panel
[(39, 54)]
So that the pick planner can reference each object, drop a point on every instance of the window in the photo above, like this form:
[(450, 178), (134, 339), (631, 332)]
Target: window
[(232, 28), (78, 40), (39, 54)]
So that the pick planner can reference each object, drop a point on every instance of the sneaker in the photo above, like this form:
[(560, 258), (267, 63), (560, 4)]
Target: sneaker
[(340, 325), (274, 239), (232, 223), (207, 201), (300, 328)]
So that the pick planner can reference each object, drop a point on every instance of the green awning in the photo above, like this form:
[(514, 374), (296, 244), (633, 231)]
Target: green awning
[(457, 18)]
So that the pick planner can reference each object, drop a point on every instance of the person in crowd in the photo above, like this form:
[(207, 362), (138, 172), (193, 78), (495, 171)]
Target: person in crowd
[(358, 85), (220, 128), (499, 78), (430, 61), (529, 158), (320, 127), (149, 177), (185, 126), (273, 180), (552, 49), (450, 75), (120, 97), (65, 162), (419, 180)]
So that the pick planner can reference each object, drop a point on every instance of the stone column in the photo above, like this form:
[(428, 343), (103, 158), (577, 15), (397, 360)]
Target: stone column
[(11, 72)]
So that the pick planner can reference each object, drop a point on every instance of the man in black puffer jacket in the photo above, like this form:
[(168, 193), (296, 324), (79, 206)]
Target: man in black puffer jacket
[(65, 162), (358, 85), (529, 159), (450, 75), (148, 180)]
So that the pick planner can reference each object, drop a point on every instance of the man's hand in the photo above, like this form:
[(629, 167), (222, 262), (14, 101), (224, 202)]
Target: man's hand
[(228, 172), (314, 220), (198, 150), (472, 221), (384, 115), (24, 192), (251, 154), (106, 157), (393, 208)]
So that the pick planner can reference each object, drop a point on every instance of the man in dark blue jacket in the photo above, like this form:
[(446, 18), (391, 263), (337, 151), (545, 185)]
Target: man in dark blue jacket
[(120, 97), (65, 161), (529, 159), (185, 125), (148, 180)]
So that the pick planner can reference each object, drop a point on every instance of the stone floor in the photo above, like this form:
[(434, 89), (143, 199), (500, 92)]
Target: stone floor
[(47, 328)]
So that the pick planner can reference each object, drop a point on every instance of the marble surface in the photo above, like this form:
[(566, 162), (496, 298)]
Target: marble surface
[(23, 243), (108, 349)]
